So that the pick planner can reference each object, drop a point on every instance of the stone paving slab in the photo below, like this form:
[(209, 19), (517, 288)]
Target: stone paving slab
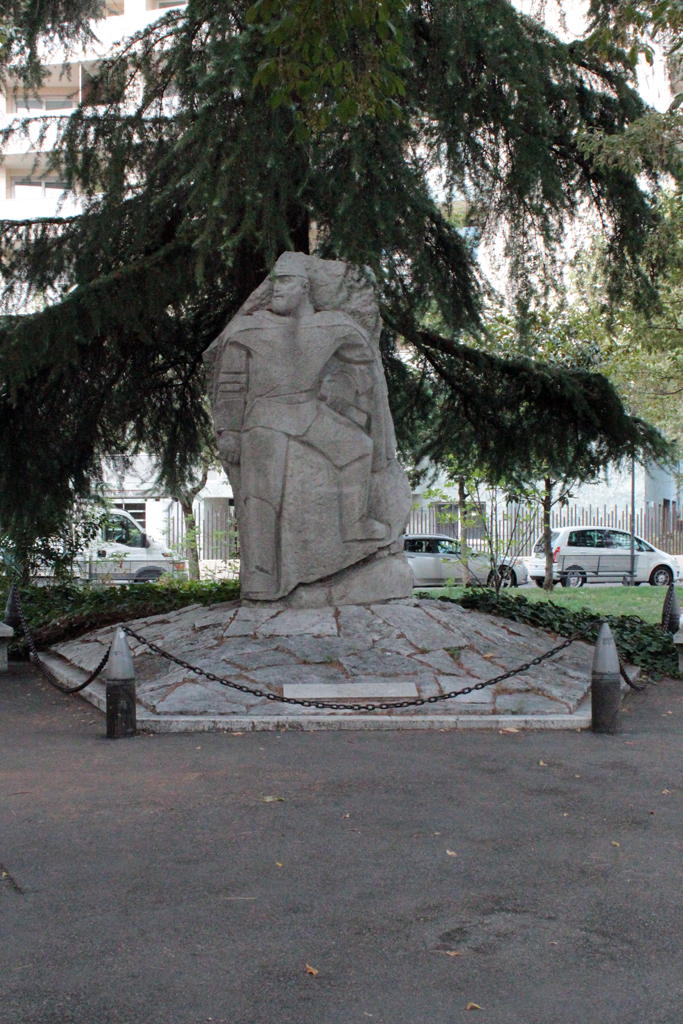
[(370, 651)]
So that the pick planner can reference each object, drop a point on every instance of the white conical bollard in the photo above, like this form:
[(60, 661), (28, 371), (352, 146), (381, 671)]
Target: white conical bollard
[(605, 683), (120, 678)]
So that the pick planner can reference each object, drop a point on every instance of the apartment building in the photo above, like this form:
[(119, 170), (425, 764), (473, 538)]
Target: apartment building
[(26, 191)]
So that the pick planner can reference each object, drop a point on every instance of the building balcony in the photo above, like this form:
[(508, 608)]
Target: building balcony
[(42, 206)]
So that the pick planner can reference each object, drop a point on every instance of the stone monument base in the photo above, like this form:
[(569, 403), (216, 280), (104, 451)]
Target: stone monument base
[(376, 579), (386, 652)]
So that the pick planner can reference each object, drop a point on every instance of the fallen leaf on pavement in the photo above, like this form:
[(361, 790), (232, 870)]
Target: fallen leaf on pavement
[(237, 734), (454, 952), (665, 791), (311, 970), (474, 1006), (543, 763), (273, 799), (614, 844), (510, 729), (345, 815), (451, 853), (277, 862)]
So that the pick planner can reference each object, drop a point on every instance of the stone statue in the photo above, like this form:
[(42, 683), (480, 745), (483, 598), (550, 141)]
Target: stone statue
[(304, 431)]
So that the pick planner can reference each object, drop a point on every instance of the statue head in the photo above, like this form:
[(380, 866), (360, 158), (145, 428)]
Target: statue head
[(291, 284)]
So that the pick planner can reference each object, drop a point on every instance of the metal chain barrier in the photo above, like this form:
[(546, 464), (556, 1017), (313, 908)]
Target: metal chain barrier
[(35, 657), (322, 705), (627, 679), (327, 705)]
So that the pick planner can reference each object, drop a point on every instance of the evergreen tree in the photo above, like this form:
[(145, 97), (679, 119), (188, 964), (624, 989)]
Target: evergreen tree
[(201, 153)]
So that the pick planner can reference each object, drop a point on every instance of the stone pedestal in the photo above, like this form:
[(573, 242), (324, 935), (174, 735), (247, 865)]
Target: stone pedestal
[(6, 634), (377, 579)]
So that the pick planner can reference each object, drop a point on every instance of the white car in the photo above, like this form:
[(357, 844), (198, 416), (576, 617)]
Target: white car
[(124, 554), (596, 554), (436, 559)]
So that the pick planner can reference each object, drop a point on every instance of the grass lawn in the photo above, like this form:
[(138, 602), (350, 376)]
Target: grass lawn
[(645, 601)]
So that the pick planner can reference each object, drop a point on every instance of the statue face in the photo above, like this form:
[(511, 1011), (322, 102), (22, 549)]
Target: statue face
[(288, 293)]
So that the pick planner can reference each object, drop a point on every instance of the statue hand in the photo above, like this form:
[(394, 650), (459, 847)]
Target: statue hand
[(229, 446)]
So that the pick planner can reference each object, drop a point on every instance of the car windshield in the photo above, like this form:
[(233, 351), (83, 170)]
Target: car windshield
[(120, 530), (538, 546)]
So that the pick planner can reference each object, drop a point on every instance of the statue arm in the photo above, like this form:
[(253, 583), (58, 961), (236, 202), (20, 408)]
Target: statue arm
[(230, 399), (350, 378)]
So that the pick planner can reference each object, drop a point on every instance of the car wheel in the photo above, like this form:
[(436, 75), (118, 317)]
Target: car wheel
[(149, 575), (661, 576), (508, 577), (573, 577)]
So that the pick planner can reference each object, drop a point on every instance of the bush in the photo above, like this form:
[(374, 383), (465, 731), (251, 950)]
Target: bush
[(640, 643), (63, 611)]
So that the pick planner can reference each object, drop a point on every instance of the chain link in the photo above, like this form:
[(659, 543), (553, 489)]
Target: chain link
[(328, 706), (35, 657)]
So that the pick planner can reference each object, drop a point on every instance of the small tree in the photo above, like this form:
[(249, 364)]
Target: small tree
[(503, 531), (185, 495)]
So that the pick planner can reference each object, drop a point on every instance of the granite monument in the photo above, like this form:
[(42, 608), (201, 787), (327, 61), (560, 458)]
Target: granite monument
[(305, 433)]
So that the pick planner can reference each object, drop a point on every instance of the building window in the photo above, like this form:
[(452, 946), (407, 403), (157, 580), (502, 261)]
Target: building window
[(35, 188), (34, 104)]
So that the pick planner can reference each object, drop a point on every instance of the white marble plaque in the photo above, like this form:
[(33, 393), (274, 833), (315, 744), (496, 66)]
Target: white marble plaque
[(350, 691)]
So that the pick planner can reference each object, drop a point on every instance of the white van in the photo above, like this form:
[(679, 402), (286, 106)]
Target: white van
[(124, 554), (595, 554)]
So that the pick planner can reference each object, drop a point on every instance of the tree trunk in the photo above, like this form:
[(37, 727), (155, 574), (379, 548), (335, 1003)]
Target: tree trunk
[(548, 582), (463, 531), (186, 502), (191, 538)]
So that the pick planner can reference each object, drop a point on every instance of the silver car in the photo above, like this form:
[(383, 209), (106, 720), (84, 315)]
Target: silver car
[(435, 559), (596, 554)]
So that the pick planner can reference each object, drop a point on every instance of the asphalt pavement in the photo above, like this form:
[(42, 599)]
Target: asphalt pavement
[(338, 878)]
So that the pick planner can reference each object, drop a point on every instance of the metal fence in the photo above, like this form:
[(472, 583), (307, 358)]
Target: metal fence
[(517, 528), (217, 529)]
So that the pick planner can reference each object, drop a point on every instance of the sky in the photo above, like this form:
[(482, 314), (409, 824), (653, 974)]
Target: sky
[(567, 19)]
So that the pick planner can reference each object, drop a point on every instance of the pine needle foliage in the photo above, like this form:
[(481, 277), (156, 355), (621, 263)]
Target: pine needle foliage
[(195, 174)]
